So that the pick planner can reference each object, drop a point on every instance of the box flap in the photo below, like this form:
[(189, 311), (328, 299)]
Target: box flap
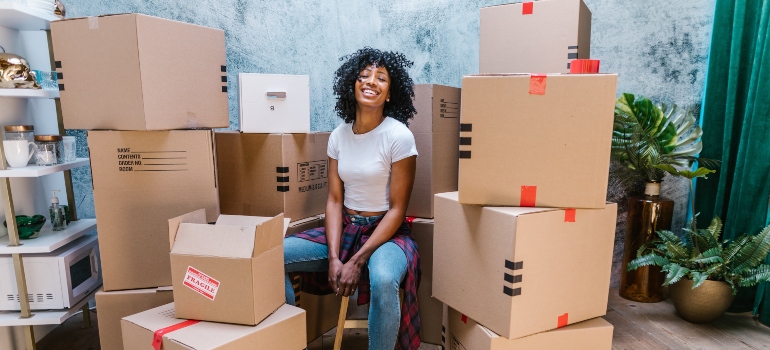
[(269, 234), (196, 217), (241, 220), (214, 240), (154, 319)]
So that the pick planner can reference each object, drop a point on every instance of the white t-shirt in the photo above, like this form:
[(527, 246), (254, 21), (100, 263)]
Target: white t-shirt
[(364, 161)]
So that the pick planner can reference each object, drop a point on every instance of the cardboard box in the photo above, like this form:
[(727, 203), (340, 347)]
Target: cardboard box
[(228, 272), (541, 141), (274, 103), (141, 179), (436, 128), (521, 271), (322, 310), (431, 310), (283, 330), (112, 306), (466, 334), (534, 37), (137, 72), (269, 174)]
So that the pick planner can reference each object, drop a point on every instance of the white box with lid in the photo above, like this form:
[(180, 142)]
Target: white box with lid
[(274, 103)]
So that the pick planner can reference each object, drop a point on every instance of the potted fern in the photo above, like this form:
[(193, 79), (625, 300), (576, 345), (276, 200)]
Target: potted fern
[(702, 271), (648, 141)]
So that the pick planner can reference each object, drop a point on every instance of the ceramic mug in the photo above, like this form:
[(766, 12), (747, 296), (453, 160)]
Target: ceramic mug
[(18, 152)]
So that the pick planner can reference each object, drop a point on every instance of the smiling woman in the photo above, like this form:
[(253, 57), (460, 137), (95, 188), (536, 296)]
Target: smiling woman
[(367, 244)]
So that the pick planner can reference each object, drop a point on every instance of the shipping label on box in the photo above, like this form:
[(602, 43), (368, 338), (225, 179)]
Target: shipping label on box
[(228, 272), (520, 271), (534, 37), (536, 140), (137, 72), (113, 306), (274, 103), (466, 334), (141, 179), (436, 128), (158, 328), (268, 174)]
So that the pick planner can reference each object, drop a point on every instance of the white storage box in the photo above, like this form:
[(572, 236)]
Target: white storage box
[(274, 103)]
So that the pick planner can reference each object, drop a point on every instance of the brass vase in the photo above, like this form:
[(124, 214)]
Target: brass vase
[(646, 215), (703, 304)]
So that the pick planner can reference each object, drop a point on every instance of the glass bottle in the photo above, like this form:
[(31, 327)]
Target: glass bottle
[(646, 215), (48, 150)]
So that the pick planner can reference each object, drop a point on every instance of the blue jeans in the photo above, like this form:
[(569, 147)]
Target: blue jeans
[(387, 268)]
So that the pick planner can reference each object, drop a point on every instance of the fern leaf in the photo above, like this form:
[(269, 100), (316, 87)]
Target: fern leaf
[(753, 252), (715, 228), (755, 276), (668, 236), (647, 260), (677, 251), (698, 278), (734, 247), (675, 273), (711, 256)]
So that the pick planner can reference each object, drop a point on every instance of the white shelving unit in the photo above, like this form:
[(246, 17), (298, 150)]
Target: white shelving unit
[(38, 171), (49, 240), (26, 31), (10, 318), (28, 93)]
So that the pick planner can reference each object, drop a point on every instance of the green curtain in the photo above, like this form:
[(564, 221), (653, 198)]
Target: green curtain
[(736, 124)]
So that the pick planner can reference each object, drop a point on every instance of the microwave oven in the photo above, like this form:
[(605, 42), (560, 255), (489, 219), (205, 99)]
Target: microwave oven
[(56, 280)]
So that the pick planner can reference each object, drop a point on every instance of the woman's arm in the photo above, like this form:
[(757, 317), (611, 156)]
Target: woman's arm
[(334, 204), (401, 182)]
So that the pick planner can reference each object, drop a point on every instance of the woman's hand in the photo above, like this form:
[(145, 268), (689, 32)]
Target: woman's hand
[(335, 268), (349, 277)]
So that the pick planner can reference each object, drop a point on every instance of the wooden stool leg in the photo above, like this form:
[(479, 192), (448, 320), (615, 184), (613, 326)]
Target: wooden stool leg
[(341, 323)]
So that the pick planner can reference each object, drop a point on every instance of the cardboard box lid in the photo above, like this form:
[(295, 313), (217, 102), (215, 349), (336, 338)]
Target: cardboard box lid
[(251, 236), (206, 335)]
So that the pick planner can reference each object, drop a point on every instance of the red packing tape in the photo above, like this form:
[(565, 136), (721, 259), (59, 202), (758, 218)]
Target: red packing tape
[(527, 8), (409, 221), (569, 215), (528, 196), (563, 320), (157, 338), (537, 84), (464, 318), (584, 66)]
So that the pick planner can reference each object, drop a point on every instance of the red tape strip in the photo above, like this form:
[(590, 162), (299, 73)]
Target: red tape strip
[(563, 320), (569, 215), (464, 318), (527, 8), (584, 66), (537, 84), (157, 338), (528, 196)]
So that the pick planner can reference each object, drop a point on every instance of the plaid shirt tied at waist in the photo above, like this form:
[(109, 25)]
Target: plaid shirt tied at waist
[(353, 238)]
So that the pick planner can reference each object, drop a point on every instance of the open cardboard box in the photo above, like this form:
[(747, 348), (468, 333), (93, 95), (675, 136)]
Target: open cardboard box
[(228, 272)]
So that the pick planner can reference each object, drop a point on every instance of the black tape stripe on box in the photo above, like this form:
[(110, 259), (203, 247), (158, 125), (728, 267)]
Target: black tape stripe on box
[(512, 278), (465, 154), (568, 65), (61, 87), (57, 64), (512, 292), (283, 188), (59, 75), (572, 47), (466, 127), (282, 169), (572, 56), (465, 141), (224, 89), (224, 69), (224, 78), (283, 179), (514, 265)]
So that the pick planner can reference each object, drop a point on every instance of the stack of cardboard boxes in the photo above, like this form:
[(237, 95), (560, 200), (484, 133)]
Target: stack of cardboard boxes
[(524, 249), (150, 100)]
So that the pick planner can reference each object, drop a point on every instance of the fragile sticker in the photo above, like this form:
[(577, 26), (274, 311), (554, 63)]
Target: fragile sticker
[(201, 283)]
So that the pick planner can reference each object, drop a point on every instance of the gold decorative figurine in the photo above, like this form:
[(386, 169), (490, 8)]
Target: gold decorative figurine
[(59, 10), (15, 72)]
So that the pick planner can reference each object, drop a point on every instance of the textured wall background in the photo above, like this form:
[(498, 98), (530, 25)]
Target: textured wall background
[(658, 47)]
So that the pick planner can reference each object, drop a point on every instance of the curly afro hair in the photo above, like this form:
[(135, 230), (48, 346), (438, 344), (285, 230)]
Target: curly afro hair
[(400, 106)]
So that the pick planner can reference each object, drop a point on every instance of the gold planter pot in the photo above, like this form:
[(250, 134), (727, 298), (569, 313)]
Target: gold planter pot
[(703, 304)]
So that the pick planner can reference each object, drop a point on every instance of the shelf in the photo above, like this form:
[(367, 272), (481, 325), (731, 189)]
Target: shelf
[(49, 240), (13, 318), (38, 171), (28, 93), (20, 17)]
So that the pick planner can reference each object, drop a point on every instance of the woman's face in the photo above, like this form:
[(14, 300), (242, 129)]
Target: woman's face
[(373, 86)]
